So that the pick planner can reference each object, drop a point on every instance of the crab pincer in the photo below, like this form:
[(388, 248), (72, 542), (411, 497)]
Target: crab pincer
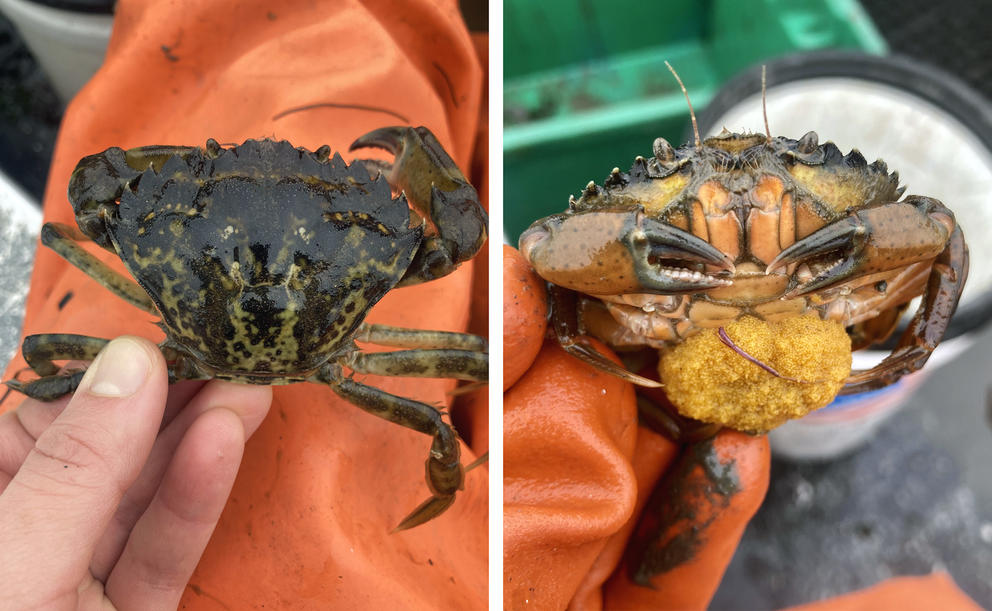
[(606, 252), (436, 189), (872, 240), (915, 230)]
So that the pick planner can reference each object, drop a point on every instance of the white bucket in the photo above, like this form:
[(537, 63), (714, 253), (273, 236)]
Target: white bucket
[(69, 45)]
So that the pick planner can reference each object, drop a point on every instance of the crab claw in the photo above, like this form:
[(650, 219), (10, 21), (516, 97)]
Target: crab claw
[(846, 238), (420, 164), (878, 239), (388, 138), (437, 190), (658, 242), (614, 252)]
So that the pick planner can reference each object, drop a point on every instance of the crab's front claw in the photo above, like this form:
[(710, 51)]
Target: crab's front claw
[(869, 241), (925, 331), (615, 252), (437, 189), (94, 188)]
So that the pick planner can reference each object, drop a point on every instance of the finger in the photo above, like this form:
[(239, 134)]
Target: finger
[(20, 428), (653, 455), (180, 394), (525, 315), (692, 525), (36, 416), (169, 539), (59, 502), (15, 444), (249, 403)]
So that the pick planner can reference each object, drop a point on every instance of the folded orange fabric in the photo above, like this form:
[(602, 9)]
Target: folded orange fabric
[(322, 483)]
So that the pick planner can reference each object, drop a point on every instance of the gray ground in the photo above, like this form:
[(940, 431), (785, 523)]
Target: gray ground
[(917, 499), (17, 243)]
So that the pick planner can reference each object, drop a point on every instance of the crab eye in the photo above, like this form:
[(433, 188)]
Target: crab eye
[(663, 151), (808, 143)]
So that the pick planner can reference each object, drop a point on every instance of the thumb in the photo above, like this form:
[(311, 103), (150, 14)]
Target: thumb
[(58, 504)]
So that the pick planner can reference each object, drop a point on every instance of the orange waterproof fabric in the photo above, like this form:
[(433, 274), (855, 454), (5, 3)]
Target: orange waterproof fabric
[(578, 472), (322, 483), (927, 593)]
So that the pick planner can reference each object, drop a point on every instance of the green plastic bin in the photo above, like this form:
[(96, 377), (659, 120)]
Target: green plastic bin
[(586, 88)]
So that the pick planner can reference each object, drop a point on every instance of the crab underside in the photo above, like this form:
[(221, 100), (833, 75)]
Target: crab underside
[(749, 225)]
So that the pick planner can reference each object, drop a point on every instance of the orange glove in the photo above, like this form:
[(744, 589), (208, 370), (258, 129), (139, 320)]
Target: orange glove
[(322, 482), (578, 474), (926, 593)]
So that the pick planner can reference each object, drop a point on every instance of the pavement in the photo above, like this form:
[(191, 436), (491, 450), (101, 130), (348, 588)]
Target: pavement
[(917, 498)]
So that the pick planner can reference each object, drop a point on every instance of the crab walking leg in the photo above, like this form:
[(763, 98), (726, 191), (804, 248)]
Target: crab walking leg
[(41, 352), (564, 321), (399, 337), (664, 418), (64, 240), (437, 189), (422, 363), (918, 341), (445, 474)]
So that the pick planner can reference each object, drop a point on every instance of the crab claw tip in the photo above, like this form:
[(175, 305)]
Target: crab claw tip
[(387, 138)]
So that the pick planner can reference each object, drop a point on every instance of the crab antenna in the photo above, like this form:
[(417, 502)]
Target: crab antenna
[(692, 114), (764, 104)]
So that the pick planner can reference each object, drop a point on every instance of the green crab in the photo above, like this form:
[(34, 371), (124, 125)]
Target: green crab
[(262, 261), (750, 225)]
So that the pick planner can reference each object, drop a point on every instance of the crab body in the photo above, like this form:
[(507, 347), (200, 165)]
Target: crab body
[(262, 261), (748, 225)]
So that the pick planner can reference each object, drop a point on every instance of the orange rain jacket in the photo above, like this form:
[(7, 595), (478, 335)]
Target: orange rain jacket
[(322, 483)]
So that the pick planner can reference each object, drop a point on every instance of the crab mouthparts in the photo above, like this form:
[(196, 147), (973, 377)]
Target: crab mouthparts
[(683, 274)]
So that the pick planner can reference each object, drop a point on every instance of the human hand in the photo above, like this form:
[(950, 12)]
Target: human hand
[(578, 480), (110, 496)]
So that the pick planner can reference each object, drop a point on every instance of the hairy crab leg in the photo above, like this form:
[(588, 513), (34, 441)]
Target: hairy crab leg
[(41, 351), (564, 321), (918, 341), (64, 240), (400, 337), (436, 189), (423, 363), (445, 474)]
